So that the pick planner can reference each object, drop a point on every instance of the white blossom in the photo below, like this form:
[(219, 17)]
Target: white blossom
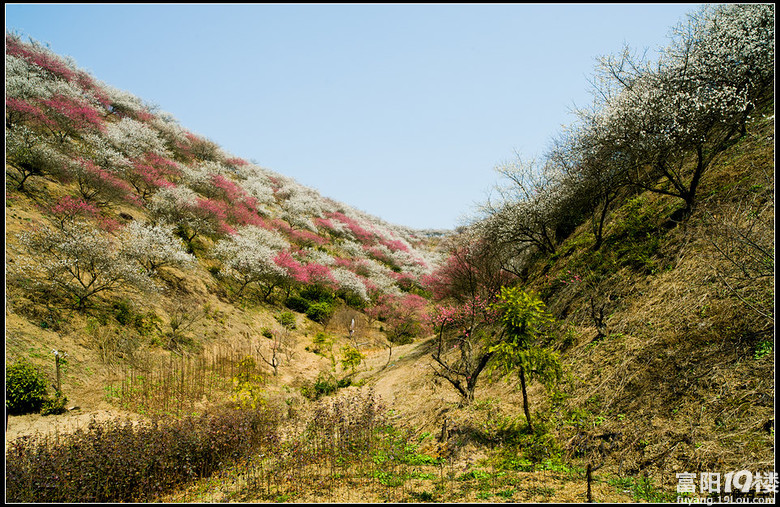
[(247, 259), (154, 246), (350, 282), (134, 138), (82, 261), (260, 188)]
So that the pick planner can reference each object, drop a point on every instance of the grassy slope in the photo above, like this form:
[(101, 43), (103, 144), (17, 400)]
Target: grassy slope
[(682, 381)]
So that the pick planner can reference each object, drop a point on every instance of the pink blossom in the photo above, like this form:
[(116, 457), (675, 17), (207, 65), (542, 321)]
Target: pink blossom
[(236, 162), (294, 268), (28, 111), (68, 208), (73, 114)]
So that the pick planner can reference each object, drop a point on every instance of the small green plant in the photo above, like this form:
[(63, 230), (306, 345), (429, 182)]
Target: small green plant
[(25, 388), (351, 358), (422, 496), (321, 343), (297, 303), (55, 405), (324, 385), (287, 319), (642, 488), (508, 493), (764, 348)]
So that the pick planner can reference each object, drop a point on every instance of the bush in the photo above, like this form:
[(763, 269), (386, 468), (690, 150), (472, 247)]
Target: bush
[(297, 303), (351, 299), (321, 342), (25, 388), (54, 406), (122, 461), (287, 319), (319, 312), (316, 293), (324, 385)]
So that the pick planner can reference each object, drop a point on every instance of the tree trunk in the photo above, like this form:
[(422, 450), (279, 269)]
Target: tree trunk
[(525, 399)]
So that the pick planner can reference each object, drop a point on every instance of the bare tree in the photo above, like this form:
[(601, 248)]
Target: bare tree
[(183, 315), (743, 236), (279, 344)]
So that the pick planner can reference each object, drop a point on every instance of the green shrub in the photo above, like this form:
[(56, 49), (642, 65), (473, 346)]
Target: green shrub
[(287, 319), (351, 358), (321, 342), (25, 388), (297, 303), (324, 385), (54, 406), (351, 299), (319, 312), (316, 294)]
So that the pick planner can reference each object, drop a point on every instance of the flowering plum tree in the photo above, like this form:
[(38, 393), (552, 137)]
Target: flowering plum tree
[(260, 188), (199, 149), (403, 317), (81, 261), (528, 212), (594, 174), (154, 246), (36, 54), (134, 139), (30, 155), (248, 259), (350, 287), (70, 116), (150, 173), (670, 120), (293, 270), (463, 319), (99, 186), (190, 213)]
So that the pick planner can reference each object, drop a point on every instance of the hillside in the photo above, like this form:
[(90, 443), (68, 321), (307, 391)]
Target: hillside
[(288, 347)]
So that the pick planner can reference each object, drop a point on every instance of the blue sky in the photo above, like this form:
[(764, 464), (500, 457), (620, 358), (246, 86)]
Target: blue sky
[(400, 110)]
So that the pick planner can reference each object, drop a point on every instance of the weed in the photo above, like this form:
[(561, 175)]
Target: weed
[(764, 348), (286, 319), (508, 493), (642, 488), (422, 496), (544, 491)]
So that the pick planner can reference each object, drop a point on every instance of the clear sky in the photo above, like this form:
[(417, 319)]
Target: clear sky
[(400, 110)]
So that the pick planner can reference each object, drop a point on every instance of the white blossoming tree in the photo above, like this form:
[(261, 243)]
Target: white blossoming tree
[(525, 213), (248, 258), (134, 138), (154, 246), (350, 286), (669, 120), (81, 261), (179, 206)]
